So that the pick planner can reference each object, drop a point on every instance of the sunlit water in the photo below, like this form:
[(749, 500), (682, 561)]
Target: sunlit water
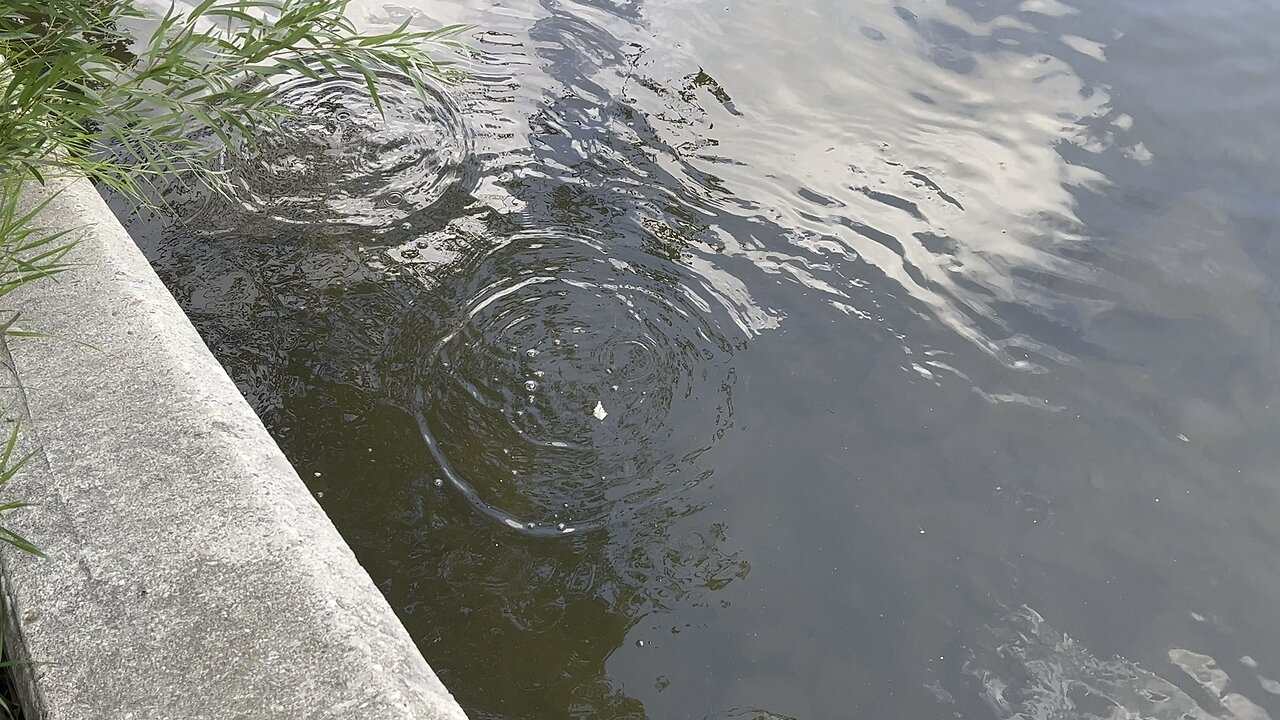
[(815, 359)]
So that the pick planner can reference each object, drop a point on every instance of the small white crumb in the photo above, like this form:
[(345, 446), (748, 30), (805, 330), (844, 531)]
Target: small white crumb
[(599, 411)]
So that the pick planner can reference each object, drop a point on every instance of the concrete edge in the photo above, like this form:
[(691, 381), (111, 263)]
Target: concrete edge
[(191, 574)]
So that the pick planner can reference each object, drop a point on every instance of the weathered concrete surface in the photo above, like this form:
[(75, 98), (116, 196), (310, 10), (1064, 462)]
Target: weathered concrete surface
[(191, 574)]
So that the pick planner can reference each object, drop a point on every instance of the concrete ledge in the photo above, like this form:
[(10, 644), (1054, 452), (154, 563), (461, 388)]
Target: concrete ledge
[(191, 574)]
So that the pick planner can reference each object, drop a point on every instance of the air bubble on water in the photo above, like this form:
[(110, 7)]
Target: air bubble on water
[(439, 482), (531, 352), (530, 385)]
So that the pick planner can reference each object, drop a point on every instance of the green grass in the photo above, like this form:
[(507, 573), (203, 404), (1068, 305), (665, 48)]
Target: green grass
[(28, 252), (87, 91), (8, 701)]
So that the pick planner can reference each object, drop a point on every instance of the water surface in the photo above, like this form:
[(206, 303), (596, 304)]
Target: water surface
[(820, 359)]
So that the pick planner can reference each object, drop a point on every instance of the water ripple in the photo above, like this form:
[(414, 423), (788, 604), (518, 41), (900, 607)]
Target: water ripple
[(338, 159), (1029, 669), (577, 386)]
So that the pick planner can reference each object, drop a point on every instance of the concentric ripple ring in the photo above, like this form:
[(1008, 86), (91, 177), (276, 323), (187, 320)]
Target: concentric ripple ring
[(576, 388), (337, 159)]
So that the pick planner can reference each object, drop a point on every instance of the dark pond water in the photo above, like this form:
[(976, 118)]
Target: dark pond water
[(811, 359)]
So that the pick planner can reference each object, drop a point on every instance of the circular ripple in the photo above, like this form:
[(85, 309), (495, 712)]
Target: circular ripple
[(336, 158), (577, 387)]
